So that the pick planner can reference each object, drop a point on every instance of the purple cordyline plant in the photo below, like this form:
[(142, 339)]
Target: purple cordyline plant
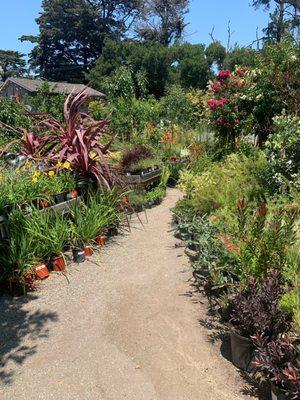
[(279, 361), (77, 140)]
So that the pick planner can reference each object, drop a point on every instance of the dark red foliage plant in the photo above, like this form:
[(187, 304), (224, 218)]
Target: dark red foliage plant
[(278, 360), (134, 155), (81, 141), (254, 310)]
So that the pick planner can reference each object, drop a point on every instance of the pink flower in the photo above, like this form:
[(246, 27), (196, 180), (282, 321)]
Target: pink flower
[(221, 102), (213, 104), (223, 75)]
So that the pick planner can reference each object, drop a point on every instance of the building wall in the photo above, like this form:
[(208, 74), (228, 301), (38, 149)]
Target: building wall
[(11, 90)]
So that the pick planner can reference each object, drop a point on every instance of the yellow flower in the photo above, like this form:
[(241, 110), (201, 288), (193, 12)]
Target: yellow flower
[(35, 176), (67, 165), (51, 173), (59, 164)]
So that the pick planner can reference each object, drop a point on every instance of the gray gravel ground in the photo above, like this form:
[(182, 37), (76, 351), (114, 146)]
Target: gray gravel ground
[(127, 325)]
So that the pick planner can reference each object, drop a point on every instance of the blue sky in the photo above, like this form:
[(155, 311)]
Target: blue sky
[(18, 18)]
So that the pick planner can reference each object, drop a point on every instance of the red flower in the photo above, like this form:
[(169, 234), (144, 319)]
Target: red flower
[(223, 75)]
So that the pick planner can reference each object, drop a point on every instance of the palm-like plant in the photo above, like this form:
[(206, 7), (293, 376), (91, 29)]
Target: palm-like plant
[(78, 140)]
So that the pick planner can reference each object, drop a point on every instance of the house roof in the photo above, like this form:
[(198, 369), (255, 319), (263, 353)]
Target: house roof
[(32, 85)]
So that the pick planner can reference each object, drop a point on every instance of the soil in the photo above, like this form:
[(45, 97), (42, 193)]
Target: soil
[(126, 324)]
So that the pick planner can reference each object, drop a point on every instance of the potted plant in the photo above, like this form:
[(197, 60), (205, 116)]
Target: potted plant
[(255, 310), (52, 231), (133, 156), (279, 361), (19, 255), (88, 220)]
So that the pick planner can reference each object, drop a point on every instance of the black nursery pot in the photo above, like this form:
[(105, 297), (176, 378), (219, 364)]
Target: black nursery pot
[(59, 198), (112, 231), (242, 351), (78, 255)]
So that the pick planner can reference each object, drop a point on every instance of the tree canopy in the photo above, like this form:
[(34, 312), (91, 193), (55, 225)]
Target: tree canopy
[(284, 20), (73, 32), (12, 63), (163, 20)]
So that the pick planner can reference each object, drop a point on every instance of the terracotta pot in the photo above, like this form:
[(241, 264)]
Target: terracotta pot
[(41, 270), (58, 263), (101, 240), (88, 251)]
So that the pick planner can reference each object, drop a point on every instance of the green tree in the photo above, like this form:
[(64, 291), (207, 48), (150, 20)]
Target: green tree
[(192, 66), (163, 20), (240, 56), (152, 60), (284, 20), (216, 54), (12, 63), (73, 32)]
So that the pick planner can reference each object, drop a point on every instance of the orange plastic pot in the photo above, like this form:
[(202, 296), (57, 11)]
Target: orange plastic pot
[(44, 203), (58, 263), (88, 251), (73, 194), (101, 240), (41, 271)]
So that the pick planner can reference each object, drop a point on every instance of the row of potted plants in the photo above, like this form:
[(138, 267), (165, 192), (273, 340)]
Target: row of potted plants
[(36, 240), (253, 281)]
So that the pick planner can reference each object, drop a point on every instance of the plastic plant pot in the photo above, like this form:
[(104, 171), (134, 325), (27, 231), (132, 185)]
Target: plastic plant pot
[(44, 204), (88, 251), (41, 271), (59, 198), (242, 350), (112, 231), (78, 255), (58, 263), (101, 240), (73, 194)]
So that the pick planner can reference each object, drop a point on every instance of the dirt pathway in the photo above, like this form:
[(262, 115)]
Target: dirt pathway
[(126, 328)]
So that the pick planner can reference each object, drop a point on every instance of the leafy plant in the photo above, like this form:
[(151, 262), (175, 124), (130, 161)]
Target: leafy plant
[(279, 361), (254, 310), (80, 141), (50, 231), (20, 251), (92, 218), (134, 155)]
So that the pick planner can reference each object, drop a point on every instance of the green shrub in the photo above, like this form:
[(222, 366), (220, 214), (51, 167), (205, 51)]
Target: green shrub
[(225, 182), (283, 152)]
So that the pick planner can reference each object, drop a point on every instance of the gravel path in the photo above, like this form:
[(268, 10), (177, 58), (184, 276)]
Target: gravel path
[(127, 325)]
